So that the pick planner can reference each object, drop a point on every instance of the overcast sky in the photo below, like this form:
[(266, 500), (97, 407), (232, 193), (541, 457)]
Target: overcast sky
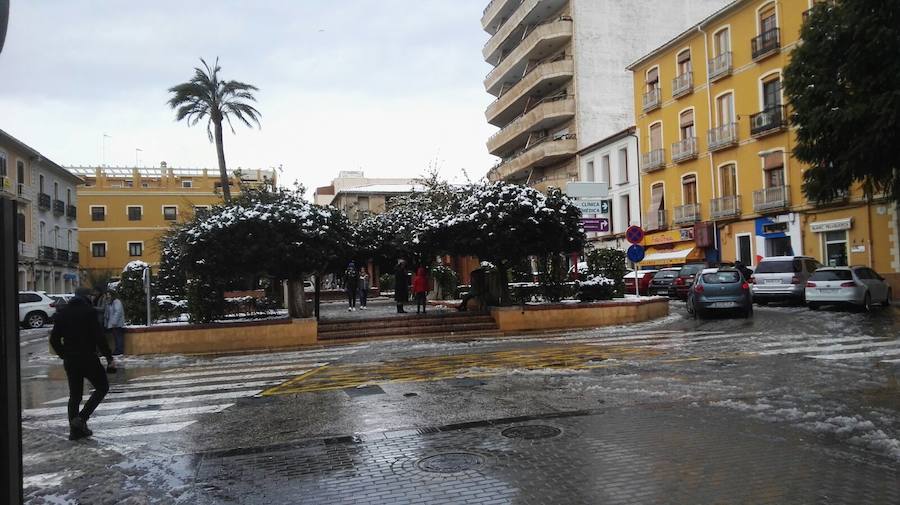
[(386, 86)]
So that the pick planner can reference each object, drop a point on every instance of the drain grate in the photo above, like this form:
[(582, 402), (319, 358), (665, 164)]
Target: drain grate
[(531, 432), (451, 462)]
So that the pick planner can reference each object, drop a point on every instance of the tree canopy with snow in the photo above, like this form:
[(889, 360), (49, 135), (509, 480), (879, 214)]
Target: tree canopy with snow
[(842, 85)]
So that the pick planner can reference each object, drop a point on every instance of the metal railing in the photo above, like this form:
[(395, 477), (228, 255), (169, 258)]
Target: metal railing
[(684, 150), (683, 84), (772, 119), (512, 124), (652, 99), (46, 253), (722, 136), (687, 214), (653, 160), (71, 211), (73, 257), (44, 201), (660, 224), (720, 66), (766, 43), (531, 67), (532, 145), (725, 206), (774, 198), (59, 207), (5, 184), (62, 255), (493, 73), (22, 191)]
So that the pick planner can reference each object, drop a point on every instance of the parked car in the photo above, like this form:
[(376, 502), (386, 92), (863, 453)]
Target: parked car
[(661, 284), (685, 279), (780, 278), (61, 298), (35, 308), (643, 278), (716, 289), (858, 286)]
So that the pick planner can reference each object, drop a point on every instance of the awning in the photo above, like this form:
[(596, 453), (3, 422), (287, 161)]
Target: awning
[(676, 257)]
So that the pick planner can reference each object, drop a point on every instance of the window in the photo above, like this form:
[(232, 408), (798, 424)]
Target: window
[(202, 210), (835, 243), (129, 183), (187, 183), (69, 240), (656, 136), (684, 62), (657, 207), (41, 183), (2, 164), (135, 248), (625, 211), (832, 275), (170, 212), (98, 213), (20, 227), (652, 79), (20, 172), (29, 298), (725, 109), (134, 213), (722, 277), (589, 172), (98, 249), (604, 169), (56, 237), (767, 19), (687, 125), (68, 196), (689, 189), (56, 191), (145, 184), (42, 230), (743, 250), (773, 167), (771, 93), (722, 41), (363, 204), (728, 178), (623, 166)]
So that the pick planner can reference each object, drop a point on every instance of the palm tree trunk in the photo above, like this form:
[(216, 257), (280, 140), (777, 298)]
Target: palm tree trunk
[(220, 153)]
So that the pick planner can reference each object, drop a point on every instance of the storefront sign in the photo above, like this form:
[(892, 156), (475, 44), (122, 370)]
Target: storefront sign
[(836, 225), (775, 228), (668, 237), (593, 206)]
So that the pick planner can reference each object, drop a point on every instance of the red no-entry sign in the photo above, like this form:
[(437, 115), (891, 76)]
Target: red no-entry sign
[(634, 234)]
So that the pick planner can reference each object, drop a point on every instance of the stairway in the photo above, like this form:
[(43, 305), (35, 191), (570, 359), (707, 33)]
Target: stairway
[(412, 325)]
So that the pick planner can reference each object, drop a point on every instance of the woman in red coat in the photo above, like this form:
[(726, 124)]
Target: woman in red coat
[(420, 289)]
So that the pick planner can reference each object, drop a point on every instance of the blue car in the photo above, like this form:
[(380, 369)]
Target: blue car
[(720, 289)]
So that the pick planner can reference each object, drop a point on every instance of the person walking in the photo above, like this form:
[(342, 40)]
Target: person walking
[(420, 289), (114, 321), (401, 286), (363, 288), (76, 336), (351, 284)]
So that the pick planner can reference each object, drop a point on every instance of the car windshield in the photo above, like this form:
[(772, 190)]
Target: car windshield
[(721, 278), (831, 275), (778, 267), (689, 270)]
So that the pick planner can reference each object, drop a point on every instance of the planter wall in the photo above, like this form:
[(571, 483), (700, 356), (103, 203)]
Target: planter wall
[(221, 338), (587, 315)]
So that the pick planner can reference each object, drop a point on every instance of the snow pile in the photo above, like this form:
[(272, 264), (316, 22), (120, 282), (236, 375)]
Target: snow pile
[(135, 265), (597, 281)]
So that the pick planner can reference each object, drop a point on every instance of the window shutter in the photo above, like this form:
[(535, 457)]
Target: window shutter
[(684, 56), (687, 119), (653, 75), (773, 160)]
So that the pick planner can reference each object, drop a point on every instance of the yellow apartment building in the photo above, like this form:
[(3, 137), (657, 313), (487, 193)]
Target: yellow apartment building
[(718, 179), (123, 212)]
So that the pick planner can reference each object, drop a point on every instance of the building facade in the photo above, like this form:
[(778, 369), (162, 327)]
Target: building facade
[(46, 220), (558, 77), (123, 212), (717, 168), (358, 202), (348, 180)]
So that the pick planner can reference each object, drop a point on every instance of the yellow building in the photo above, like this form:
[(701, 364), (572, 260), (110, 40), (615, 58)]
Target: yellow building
[(123, 212), (718, 180)]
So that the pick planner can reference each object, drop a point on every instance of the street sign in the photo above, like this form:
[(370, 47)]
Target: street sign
[(587, 189), (636, 253), (593, 206), (595, 224), (634, 234)]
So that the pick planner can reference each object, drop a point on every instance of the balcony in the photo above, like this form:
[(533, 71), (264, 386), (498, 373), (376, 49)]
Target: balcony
[(540, 43), (772, 120), (722, 137), (528, 15), (652, 99), (766, 44), (684, 150), (683, 84), (6, 185), (540, 78), (544, 152), (23, 192), (772, 199), (62, 255), (653, 160), (687, 214), (725, 207), (660, 224), (547, 113), (71, 211), (59, 207), (26, 250), (46, 253), (73, 257), (494, 12), (44, 201), (720, 66)]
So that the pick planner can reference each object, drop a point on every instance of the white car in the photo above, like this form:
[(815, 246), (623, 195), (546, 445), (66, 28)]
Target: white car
[(859, 286), (35, 308)]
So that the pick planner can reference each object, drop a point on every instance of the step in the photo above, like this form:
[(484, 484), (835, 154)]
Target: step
[(400, 321), (485, 332), (407, 331)]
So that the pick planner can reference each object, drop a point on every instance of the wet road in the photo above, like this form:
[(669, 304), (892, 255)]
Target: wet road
[(791, 406)]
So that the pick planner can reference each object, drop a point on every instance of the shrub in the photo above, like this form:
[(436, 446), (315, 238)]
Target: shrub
[(596, 287), (205, 300), (608, 263), (445, 282), (130, 290)]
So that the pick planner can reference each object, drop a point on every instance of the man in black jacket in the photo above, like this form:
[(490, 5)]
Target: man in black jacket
[(76, 336)]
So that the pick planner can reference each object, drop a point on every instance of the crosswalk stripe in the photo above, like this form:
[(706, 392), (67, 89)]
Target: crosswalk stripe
[(820, 342), (114, 395), (241, 367), (149, 429), (103, 420), (215, 379), (850, 347), (224, 371), (856, 355), (326, 354)]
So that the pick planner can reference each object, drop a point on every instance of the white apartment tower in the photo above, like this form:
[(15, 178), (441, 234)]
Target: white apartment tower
[(560, 77)]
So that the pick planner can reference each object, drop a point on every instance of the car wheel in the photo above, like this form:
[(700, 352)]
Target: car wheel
[(867, 302), (35, 320), (888, 298)]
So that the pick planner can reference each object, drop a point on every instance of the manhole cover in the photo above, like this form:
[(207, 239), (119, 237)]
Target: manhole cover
[(451, 462), (531, 432)]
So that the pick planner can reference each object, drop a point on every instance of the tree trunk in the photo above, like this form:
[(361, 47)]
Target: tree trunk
[(297, 306), (220, 153)]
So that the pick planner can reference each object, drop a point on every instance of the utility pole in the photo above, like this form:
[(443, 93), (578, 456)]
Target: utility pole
[(10, 380)]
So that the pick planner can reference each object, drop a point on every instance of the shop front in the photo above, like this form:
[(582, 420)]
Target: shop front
[(778, 236), (672, 248)]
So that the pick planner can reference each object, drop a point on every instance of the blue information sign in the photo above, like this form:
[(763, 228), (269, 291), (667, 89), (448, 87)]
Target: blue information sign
[(636, 253)]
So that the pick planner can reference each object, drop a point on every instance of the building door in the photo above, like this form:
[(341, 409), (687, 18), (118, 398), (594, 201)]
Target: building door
[(744, 254), (767, 19), (689, 189), (835, 243), (771, 93), (725, 109), (722, 42), (728, 176), (656, 137), (773, 165)]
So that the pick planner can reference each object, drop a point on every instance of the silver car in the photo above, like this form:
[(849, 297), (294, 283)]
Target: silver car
[(858, 286), (782, 278)]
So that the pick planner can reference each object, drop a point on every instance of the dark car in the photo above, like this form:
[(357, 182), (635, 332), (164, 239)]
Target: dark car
[(718, 289), (685, 279), (662, 282)]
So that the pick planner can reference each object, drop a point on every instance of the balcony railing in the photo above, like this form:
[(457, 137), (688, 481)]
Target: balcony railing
[(683, 84), (653, 160), (652, 99), (537, 151), (62, 255), (684, 150), (720, 66), (71, 211), (687, 214), (725, 207), (59, 207), (722, 136), (559, 107), (73, 257), (555, 29), (766, 43), (46, 253), (771, 120), (660, 224), (774, 198), (22, 191), (44, 201), (6, 185)]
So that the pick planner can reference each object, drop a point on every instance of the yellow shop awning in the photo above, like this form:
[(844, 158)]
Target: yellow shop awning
[(669, 257)]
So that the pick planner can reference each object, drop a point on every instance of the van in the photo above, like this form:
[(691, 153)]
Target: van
[(782, 278)]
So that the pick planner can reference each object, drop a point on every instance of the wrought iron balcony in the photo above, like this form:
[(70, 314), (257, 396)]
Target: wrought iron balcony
[(44, 201), (71, 211), (766, 43), (725, 207), (46, 253), (722, 137), (684, 150), (683, 84), (660, 224), (62, 255), (771, 120), (73, 257), (653, 160), (687, 214), (720, 66), (772, 199), (59, 207), (23, 191), (652, 99)]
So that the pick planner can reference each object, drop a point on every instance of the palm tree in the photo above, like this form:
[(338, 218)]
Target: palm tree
[(205, 96)]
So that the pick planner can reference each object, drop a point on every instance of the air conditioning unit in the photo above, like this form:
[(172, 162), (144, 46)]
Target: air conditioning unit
[(762, 120)]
